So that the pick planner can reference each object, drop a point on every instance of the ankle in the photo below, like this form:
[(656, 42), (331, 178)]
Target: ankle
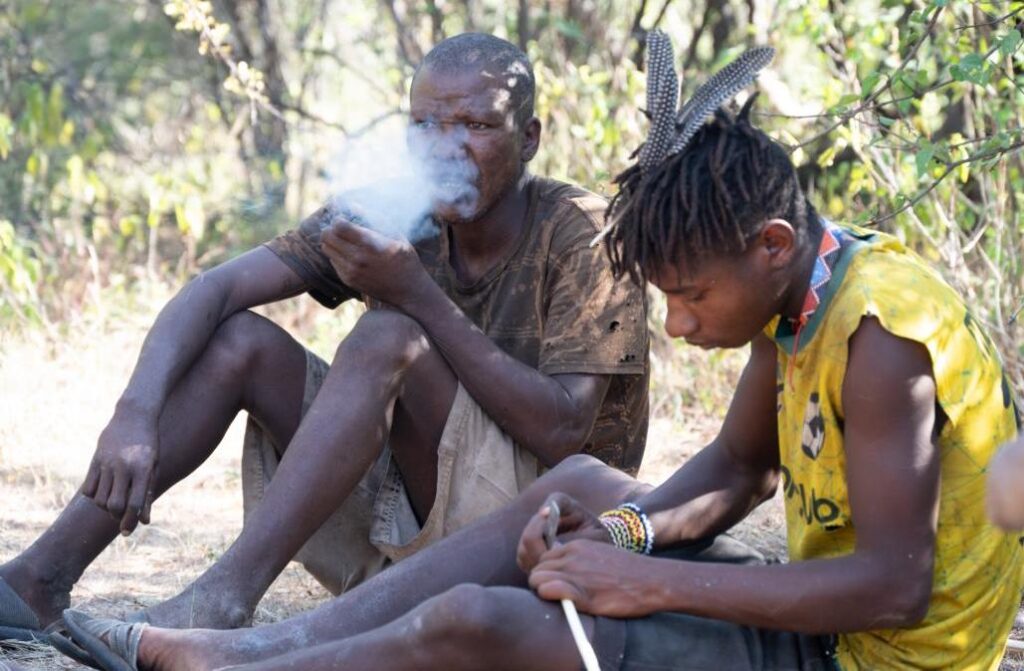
[(47, 592), (38, 575)]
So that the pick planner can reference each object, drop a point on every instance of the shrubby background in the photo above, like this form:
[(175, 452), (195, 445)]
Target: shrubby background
[(142, 141)]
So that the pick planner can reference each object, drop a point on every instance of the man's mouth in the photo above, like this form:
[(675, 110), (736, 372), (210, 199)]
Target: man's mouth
[(454, 192)]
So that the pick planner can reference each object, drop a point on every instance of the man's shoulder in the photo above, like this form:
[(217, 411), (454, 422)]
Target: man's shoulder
[(569, 215)]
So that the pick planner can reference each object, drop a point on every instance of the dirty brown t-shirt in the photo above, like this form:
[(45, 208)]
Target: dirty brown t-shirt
[(551, 303)]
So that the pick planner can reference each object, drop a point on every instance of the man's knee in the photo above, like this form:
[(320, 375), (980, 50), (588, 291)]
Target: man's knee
[(385, 338), (468, 616), (577, 470), (584, 478), (239, 341)]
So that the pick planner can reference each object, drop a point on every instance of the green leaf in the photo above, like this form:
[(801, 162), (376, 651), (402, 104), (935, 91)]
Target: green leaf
[(923, 158), (827, 157), (570, 29), (1009, 43), (869, 83)]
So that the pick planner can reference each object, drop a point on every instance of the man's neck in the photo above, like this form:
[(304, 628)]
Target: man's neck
[(476, 246), (793, 300)]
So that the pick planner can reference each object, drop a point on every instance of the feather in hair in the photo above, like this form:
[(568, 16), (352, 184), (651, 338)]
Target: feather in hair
[(722, 86), (662, 94)]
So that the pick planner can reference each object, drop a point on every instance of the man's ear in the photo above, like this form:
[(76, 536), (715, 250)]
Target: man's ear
[(778, 241), (531, 139)]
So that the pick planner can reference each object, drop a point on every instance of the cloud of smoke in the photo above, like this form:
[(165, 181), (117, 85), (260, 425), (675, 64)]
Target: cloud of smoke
[(391, 179)]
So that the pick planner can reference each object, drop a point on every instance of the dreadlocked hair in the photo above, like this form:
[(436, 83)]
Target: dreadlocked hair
[(707, 200)]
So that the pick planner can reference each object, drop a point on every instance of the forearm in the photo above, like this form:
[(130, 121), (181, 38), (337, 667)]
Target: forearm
[(706, 496), (533, 408), (180, 333), (853, 593)]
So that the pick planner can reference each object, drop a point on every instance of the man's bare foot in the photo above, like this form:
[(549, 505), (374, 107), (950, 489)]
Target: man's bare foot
[(46, 595), (198, 607), (176, 650)]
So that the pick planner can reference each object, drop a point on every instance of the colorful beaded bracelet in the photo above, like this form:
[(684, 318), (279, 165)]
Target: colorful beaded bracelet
[(630, 528)]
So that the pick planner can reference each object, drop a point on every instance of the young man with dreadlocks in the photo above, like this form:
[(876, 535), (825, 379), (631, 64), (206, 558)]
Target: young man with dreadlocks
[(871, 398)]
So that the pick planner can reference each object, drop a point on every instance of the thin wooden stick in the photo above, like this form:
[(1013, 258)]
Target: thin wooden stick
[(579, 636)]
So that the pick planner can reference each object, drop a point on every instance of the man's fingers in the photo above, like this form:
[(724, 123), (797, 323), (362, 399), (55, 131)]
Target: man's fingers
[(350, 232), (118, 497), (342, 233), (106, 480), (552, 520), (531, 543), (129, 521), (555, 587), (136, 503), (150, 496), (92, 480), (341, 258), (571, 513)]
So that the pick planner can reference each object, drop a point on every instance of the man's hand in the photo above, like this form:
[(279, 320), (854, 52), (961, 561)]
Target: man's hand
[(599, 578), (1005, 497), (376, 265), (575, 522), (122, 476)]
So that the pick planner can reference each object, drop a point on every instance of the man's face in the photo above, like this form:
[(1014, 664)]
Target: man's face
[(723, 302), (463, 128)]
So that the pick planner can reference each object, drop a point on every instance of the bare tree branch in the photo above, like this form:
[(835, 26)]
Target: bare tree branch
[(870, 101), (950, 167), (523, 23), (408, 48)]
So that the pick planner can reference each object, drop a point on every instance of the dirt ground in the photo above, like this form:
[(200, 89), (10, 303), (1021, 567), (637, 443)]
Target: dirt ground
[(55, 402)]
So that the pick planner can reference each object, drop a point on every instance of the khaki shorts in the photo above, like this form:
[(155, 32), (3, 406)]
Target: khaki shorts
[(479, 470)]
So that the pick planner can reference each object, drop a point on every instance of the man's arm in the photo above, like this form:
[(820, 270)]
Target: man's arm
[(128, 446), (893, 481), (550, 415), (185, 325), (711, 492), (735, 473)]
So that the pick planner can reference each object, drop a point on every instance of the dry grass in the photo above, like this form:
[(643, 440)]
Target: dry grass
[(57, 399)]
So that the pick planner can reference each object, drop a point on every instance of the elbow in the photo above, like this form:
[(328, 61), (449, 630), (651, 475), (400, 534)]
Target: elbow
[(904, 601), (913, 607), (562, 442)]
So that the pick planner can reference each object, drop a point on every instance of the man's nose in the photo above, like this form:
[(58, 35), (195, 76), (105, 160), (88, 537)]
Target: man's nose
[(681, 322), (448, 141)]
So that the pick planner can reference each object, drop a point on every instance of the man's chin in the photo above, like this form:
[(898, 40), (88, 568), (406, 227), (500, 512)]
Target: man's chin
[(715, 343), (454, 215)]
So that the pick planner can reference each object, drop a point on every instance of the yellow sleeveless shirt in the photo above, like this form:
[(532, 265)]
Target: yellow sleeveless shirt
[(978, 569)]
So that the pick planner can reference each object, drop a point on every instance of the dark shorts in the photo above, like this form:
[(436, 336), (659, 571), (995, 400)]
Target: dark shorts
[(689, 643)]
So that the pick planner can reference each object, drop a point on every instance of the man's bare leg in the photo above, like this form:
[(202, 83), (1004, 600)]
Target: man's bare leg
[(482, 553), (385, 359), (249, 364), (468, 627)]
